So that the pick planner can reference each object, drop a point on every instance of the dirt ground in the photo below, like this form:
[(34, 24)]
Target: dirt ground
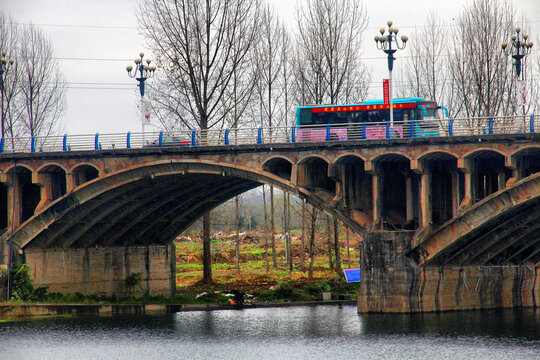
[(253, 275)]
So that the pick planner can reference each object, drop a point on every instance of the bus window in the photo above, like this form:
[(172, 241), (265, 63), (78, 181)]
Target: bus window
[(305, 116)]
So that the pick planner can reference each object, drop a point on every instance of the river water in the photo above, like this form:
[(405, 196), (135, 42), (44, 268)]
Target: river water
[(316, 332)]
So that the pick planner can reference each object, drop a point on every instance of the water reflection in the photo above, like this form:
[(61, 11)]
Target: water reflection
[(320, 332)]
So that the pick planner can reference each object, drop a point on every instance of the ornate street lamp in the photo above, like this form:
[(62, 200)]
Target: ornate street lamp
[(142, 72), (384, 43), (518, 49), (4, 67)]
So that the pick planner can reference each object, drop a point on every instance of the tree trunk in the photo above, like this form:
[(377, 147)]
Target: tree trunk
[(288, 231), (337, 248), (266, 232), (312, 242), (207, 256), (348, 249), (302, 244), (272, 224), (329, 243), (237, 247)]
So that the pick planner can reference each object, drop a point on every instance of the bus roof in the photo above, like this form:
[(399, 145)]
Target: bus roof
[(370, 102)]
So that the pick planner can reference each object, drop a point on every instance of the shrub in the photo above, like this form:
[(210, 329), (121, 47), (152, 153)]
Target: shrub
[(317, 288), (284, 291), (23, 289)]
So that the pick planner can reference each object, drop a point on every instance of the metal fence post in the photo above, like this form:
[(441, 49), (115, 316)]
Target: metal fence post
[(388, 129), (96, 142), (490, 127), (160, 139), (411, 129), (64, 143), (293, 134), (128, 140), (227, 136), (33, 144), (450, 127), (531, 124), (328, 132), (193, 137), (2, 145), (259, 136), (364, 130)]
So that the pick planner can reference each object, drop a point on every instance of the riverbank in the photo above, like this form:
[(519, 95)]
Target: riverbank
[(13, 311)]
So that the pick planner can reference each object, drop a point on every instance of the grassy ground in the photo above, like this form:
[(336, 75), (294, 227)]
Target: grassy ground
[(253, 274)]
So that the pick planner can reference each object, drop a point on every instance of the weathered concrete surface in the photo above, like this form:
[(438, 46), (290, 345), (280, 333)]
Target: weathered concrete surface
[(393, 282), (103, 271)]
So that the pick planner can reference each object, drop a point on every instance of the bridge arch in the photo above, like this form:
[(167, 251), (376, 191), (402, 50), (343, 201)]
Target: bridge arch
[(348, 155), (83, 173), (445, 185), (397, 192), (51, 177), (355, 187), (525, 161), (22, 193), (487, 171), (313, 172), (503, 229), (280, 166), (146, 204)]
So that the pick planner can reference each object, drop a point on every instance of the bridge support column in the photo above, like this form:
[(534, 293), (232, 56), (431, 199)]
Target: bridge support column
[(70, 182), (103, 271), (391, 281), (388, 276), (45, 189), (409, 199), (455, 193), (378, 196), (425, 198), (469, 195), (14, 200)]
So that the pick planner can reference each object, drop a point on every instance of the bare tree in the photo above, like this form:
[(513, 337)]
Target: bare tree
[(265, 231), (329, 46), (425, 72), (201, 45), (337, 248), (237, 236), (33, 96), (480, 71), (329, 243), (314, 213), (9, 50), (43, 88)]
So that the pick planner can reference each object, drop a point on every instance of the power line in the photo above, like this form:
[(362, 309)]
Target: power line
[(79, 26)]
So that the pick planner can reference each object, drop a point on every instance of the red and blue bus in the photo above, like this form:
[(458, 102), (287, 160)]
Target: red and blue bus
[(413, 117)]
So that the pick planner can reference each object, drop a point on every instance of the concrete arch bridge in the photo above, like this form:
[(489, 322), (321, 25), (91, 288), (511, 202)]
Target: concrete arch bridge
[(84, 220)]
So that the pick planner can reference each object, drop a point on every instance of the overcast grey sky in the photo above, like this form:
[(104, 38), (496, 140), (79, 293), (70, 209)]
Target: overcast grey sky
[(94, 40)]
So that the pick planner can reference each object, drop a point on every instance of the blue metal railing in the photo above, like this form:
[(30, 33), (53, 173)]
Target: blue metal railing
[(318, 133)]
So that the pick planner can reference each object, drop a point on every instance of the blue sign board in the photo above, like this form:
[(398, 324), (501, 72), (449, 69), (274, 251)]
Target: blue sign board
[(352, 275)]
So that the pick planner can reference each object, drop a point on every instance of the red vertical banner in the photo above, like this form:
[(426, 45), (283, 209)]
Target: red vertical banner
[(386, 91)]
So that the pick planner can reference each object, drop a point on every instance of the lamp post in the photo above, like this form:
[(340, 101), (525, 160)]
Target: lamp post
[(142, 72), (4, 66), (384, 43), (519, 48)]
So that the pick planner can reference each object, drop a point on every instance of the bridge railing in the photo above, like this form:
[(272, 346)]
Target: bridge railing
[(313, 133)]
